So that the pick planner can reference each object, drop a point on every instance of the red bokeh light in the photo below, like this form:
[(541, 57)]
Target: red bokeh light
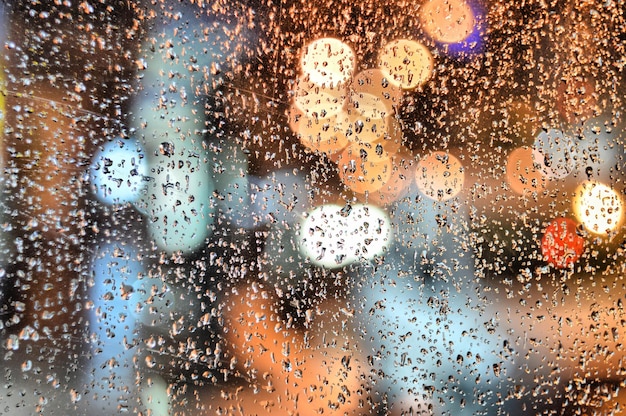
[(561, 246)]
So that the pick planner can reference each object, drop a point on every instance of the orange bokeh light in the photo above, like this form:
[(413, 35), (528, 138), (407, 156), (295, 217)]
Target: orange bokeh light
[(362, 127), (328, 62), (447, 21), (361, 175), (321, 101), (402, 173), (374, 85), (521, 173), (440, 176), (322, 134)]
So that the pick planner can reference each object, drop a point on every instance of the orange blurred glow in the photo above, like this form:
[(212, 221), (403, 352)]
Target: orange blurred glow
[(322, 134), (374, 83), (361, 175), (521, 173), (393, 138), (440, 176), (447, 21), (317, 374), (362, 128), (255, 333), (406, 63), (321, 101), (402, 174), (368, 152)]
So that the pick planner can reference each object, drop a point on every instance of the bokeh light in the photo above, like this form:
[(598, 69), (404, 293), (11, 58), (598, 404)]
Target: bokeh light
[(406, 63), (321, 134), (318, 101), (393, 140), (561, 245), (598, 207), (333, 236), (328, 62), (118, 171), (314, 366), (366, 152), (177, 196), (403, 167), (178, 199), (440, 176), (447, 21), (359, 173), (363, 124), (374, 82), (522, 173)]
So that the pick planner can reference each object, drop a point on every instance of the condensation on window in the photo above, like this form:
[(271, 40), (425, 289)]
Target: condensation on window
[(312, 208)]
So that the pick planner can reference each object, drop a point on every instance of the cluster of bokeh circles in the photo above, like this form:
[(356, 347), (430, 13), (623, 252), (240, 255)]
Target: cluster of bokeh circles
[(350, 117)]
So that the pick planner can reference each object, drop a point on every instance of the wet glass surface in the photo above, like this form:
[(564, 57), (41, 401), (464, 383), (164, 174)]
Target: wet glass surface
[(303, 208)]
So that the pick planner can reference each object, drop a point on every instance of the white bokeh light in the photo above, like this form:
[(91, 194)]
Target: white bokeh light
[(598, 207), (334, 236), (328, 62)]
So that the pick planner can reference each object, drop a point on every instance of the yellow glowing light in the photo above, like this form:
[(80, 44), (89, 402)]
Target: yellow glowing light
[(362, 128), (361, 175), (440, 176), (447, 21), (522, 173), (598, 207), (328, 62), (407, 63), (373, 84), (322, 134), (321, 101)]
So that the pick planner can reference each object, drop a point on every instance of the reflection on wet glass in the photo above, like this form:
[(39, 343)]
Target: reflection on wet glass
[(312, 208)]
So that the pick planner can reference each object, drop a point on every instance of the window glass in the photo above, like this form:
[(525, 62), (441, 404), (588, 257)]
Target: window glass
[(301, 208)]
